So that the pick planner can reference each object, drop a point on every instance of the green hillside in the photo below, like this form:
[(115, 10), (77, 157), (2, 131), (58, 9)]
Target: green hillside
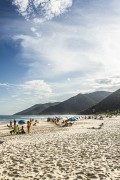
[(109, 104)]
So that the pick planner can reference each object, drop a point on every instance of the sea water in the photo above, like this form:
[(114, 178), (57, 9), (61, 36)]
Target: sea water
[(5, 119)]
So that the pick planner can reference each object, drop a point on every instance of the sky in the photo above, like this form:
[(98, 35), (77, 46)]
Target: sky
[(51, 50)]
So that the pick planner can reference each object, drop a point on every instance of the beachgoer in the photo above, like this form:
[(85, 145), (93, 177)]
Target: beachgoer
[(10, 123), (22, 131), (34, 124), (12, 131), (65, 125), (14, 122), (31, 121), (28, 126), (15, 130)]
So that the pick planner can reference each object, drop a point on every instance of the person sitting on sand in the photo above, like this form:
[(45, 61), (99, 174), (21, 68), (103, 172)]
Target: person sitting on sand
[(65, 124), (35, 123), (15, 130), (70, 123), (22, 131), (12, 131), (10, 124)]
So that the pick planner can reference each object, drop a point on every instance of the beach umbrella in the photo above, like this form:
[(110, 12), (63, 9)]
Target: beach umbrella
[(21, 122), (72, 119)]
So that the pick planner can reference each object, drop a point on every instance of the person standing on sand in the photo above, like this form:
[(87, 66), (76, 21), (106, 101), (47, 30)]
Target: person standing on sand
[(10, 123), (28, 126), (14, 122)]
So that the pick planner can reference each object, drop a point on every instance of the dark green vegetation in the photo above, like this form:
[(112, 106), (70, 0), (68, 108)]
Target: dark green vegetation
[(74, 105), (109, 104), (36, 109)]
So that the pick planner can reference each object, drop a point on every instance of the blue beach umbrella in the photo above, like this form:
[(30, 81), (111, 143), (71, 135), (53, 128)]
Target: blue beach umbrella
[(72, 119), (21, 122)]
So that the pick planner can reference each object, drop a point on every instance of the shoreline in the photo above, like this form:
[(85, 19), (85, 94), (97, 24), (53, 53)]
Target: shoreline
[(57, 153)]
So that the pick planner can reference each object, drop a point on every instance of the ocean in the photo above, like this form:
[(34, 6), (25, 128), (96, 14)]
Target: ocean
[(5, 119)]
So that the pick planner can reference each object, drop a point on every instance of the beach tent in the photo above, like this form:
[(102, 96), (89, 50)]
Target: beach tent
[(72, 119), (21, 122)]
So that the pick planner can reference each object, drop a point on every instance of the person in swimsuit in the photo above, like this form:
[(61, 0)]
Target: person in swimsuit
[(28, 126)]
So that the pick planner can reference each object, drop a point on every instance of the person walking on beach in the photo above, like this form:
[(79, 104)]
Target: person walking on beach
[(28, 126)]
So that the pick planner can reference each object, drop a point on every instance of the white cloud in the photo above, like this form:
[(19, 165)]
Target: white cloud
[(41, 10), (88, 51), (22, 6), (38, 88), (36, 85), (53, 55), (14, 95), (24, 95), (83, 53), (4, 85), (77, 54)]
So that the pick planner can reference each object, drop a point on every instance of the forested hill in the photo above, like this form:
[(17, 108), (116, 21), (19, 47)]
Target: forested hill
[(36, 109), (73, 105), (76, 104), (110, 103)]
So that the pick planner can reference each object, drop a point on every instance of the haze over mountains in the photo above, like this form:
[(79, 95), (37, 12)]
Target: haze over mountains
[(109, 104), (74, 105), (36, 109)]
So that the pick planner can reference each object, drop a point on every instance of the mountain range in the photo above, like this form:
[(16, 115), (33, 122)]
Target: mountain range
[(36, 109), (109, 104), (73, 105)]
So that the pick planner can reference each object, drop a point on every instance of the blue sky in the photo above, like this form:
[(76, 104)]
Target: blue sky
[(51, 50)]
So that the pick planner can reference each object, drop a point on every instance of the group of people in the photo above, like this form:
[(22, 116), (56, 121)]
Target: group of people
[(58, 121), (17, 130), (54, 119), (12, 124)]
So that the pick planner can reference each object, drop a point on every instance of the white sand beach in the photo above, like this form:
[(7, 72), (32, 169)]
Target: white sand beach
[(57, 153)]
